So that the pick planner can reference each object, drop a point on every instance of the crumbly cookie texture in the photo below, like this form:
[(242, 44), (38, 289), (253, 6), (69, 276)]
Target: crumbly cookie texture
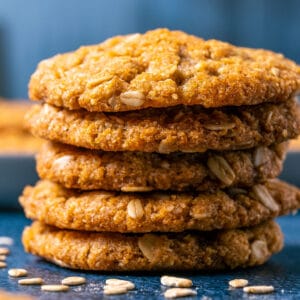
[(186, 129), (163, 68), (185, 251), (140, 171), (158, 212)]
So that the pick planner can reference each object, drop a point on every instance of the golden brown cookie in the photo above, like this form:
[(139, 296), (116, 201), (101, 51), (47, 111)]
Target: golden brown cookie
[(163, 68), (14, 137), (18, 141), (13, 296), (150, 252), (12, 113), (295, 145), (165, 212), (140, 171), (186, 129)]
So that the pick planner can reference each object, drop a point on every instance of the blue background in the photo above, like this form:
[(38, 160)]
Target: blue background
[(35, 29)]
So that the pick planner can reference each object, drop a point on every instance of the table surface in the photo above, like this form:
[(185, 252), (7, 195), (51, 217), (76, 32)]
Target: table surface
[(282, 271)]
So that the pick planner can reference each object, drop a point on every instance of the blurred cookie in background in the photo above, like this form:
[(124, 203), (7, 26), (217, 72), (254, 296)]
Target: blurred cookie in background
[(14, 137), (9, 296), (295, 145)]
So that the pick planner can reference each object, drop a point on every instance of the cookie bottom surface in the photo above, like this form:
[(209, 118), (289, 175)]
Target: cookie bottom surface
[(154, 252)]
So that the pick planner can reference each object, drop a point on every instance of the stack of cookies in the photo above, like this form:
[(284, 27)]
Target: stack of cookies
[(162, 154)]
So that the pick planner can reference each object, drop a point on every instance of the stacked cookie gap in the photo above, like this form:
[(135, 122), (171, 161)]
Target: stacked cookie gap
[(162, 154)]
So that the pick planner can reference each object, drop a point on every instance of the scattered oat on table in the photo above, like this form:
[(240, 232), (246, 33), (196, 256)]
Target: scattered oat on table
[(54, 288), (179, 292), (31, 281), (176, 281), (4, 251), (17, 272), (238, 283), (114, 290), (2, 264), (6, 241), (120, 283), (259, 289), (73, 280)]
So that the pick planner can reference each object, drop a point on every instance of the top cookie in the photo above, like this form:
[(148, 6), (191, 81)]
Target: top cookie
[(163, 68)]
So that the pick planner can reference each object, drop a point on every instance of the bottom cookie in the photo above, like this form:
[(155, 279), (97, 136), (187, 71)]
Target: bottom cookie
[(215, 250)]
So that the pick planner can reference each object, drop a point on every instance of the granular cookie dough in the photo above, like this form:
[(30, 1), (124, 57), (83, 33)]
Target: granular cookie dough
[(140, 171), (186, 129), (152, 212), (163, 68), (154, 252)]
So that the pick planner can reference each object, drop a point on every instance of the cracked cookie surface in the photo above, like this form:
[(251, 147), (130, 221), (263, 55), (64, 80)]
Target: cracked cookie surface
[(163, 68), (85, 169), (154, 252), (151, 212)]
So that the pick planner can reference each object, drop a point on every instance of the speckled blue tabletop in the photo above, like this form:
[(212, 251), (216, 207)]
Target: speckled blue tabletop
[(282, 271)]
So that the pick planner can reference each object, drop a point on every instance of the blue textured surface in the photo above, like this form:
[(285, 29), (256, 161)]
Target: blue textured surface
[(282, 271)]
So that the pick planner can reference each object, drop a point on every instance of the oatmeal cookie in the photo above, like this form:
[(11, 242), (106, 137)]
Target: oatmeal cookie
[(154, 252), (12, 113), (4, 295), (163, 68), (165, 212), (141, 171), (16, 141), (185, 129), (14, 137)]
